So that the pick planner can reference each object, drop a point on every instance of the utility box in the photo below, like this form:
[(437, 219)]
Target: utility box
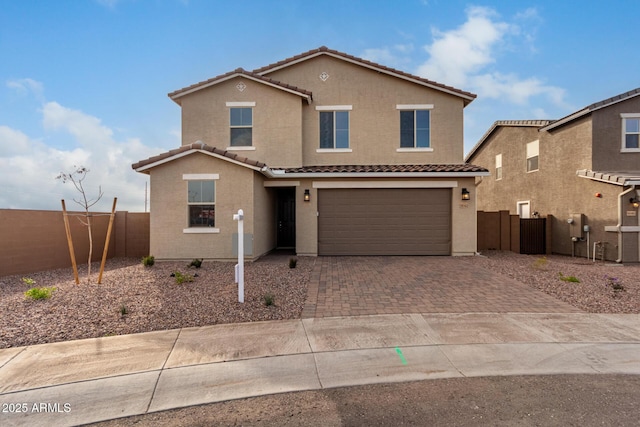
[(577, 226)]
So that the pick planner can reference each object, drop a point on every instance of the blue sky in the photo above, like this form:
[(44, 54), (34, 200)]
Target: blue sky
[(85, 82)]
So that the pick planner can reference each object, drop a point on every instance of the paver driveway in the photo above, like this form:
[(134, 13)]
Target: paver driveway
[(352, 286)]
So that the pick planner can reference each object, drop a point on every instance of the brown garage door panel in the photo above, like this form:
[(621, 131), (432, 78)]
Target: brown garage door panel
[(384, 222)]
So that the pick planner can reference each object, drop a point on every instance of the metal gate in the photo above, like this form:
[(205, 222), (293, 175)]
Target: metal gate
[(533, 236)]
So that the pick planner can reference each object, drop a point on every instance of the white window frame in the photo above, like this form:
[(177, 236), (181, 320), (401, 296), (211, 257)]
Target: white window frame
[(201, 177), (241, 104), (498, 167), (623, 147), (533, 150), (415, 107), (519, 206), (334, 109)]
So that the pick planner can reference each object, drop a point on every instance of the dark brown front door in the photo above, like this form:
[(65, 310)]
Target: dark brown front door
[(286, 218)]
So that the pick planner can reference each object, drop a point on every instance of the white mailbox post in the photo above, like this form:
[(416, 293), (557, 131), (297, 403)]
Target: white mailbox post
[(240, 265)]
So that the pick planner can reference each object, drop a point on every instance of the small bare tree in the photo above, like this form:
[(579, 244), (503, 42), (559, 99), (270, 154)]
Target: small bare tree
[(76, 178)]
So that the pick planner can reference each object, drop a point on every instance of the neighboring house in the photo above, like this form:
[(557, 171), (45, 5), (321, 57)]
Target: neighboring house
[(326, 153), (583, 169)]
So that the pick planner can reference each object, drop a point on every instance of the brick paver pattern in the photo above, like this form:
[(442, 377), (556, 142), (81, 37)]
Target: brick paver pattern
[(352, 286)]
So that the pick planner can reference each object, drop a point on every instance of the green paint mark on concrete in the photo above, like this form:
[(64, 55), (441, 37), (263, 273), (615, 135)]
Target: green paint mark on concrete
[(404, 361)]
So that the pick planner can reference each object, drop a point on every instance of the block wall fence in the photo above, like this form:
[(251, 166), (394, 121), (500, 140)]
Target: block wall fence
[(34, 240)]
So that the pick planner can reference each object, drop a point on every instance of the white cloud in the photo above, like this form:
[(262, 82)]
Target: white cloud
[(87, 130), (466, 57), (514, 89), (27, 86), (12, 141), (456, 54), (28, 167)]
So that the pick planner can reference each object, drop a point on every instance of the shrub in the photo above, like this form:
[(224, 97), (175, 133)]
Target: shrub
[(123, 310), (148, 261), (572, 279), (182, 278), (197, 263), (28, 281), (292, 262), (39, 293), (269, 299)]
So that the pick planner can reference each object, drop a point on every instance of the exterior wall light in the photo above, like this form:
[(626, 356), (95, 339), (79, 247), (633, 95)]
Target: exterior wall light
[(307, 195), (634, 202), (465, 194)]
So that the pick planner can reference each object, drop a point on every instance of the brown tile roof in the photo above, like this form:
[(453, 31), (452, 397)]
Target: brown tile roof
[(173, 154), (237, 72), (167, 156), (386, 168), (325, 50)]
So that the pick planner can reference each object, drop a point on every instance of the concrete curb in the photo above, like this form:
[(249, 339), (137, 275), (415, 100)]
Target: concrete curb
[(78, 382)]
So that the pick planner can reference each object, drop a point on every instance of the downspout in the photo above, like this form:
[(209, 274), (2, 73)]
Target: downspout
[(620, 202)]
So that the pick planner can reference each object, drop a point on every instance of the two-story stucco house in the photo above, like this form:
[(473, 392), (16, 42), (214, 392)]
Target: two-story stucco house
[(583, 169), (325, 153)]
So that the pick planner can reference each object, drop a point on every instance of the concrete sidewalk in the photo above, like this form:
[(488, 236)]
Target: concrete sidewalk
[(92, 380)]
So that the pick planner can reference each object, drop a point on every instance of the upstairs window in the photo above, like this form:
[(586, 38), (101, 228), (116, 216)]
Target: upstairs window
[(241, 122), (630, 132), (201, 201), (415, 126), (498, 166), (334, 129), (532, 156)]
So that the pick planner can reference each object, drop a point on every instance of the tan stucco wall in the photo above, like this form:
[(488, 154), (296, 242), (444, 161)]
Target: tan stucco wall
[(264, 230), (306, 219), (374, 119), (234, 190), (463, 215), (464, 219), (277, 120), (554, 189)]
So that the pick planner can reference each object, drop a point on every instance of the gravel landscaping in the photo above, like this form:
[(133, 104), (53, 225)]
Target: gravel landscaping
[(133, 298), (594, 293)]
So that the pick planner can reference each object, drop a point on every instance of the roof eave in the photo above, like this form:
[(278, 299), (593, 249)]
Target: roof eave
[(567, 119), (146, 168), (279, 174), (175, 96), (468, 98)]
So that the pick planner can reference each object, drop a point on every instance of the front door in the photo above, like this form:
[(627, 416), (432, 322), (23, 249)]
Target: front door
[(286, 218)]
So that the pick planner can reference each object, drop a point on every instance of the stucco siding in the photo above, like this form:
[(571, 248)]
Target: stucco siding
[(554, 189), (464, 219), (306, 219), (607, 138), (277, 120), (374, 119), (168, 214), (264, 230), (516, 184)]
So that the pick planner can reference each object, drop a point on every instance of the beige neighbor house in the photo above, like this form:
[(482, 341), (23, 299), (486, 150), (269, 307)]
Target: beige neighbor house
[(583, 169), (326, 154)]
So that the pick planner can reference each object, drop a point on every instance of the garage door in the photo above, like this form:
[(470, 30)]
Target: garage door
[(412, 221)]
